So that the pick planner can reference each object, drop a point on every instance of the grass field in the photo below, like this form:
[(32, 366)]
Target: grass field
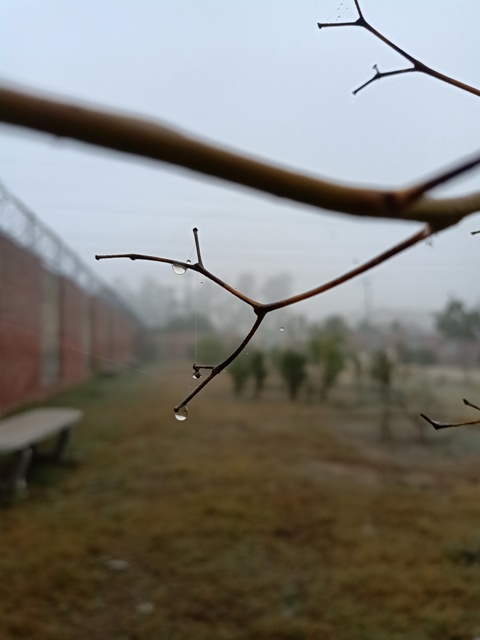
[(262, 520)]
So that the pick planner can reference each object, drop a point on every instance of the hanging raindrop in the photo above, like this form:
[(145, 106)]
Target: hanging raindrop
[(181, 414), (282, 329), (178, 269), (197, 375)]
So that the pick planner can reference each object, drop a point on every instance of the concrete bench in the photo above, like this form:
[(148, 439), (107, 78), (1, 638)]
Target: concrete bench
[(20, 435)]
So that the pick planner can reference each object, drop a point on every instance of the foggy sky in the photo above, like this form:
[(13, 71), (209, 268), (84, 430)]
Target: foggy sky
[(261, 78)]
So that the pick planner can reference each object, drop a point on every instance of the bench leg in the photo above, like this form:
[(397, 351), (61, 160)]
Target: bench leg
[(17, 476), (62, 444)]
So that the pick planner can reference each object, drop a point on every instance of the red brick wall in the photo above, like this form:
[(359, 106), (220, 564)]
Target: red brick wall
[(123, 345), (101, 334), (74, 315), (113, 337), (20, 330), (92, 334)]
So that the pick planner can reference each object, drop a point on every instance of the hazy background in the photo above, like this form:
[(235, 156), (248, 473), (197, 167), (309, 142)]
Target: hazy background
[(261, 78)]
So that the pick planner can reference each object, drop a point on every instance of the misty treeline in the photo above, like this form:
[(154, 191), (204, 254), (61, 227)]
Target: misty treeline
[(304, 356), (203, 307)]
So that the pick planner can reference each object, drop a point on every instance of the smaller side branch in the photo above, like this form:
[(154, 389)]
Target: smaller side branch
[(370, 264), (215, 370), (382, 74), (197, 267), (417, 191), (197, 247), (417, 65), (327, 25), (446, 425)]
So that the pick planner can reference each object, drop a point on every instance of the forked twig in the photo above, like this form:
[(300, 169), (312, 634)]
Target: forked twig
[(417, 65), (259, 309), (446, 425)]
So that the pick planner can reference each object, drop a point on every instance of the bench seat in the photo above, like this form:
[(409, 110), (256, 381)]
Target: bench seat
[(20, 434)]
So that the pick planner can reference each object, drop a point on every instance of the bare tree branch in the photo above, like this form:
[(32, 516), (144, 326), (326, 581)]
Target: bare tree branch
[(381, 74), (417, 191), (417, 65), (260, 309), (151, 140), (446, 425)]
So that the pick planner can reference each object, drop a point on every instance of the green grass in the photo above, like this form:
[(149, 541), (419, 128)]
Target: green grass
[(266, 520)]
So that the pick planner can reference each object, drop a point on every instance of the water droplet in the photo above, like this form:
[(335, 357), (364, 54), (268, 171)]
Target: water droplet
[(197, 375), (189, 261), (181, 414), (282, 329), (178, 269)]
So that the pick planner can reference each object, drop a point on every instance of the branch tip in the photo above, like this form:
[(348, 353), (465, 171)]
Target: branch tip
[(417, 64)]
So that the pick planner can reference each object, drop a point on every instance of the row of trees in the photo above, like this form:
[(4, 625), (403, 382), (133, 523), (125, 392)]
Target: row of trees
[(317, 366), (316, 357), (454, 339)]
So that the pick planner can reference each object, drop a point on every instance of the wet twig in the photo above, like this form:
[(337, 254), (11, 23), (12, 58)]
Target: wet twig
[(446, 425), (417, 65), (260, 310)]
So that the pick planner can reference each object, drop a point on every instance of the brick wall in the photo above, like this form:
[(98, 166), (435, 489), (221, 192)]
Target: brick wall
[(75, 326), (53, 335), (20, 330)]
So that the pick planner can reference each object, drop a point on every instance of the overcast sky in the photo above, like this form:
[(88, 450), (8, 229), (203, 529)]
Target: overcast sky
[(262, 78)]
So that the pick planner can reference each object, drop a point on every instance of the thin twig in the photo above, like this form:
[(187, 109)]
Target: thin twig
[(382, 74), (188, 267), (260, 309), (417, 191), (220, 367), (417, 65), (353, 273), (151, 140), (446, 425), (197, 247)]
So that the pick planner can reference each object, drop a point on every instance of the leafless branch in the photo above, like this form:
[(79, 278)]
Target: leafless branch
[(151, 140), (381, 74), (417, 191), (259, 309), (417, 65), (446, 425)]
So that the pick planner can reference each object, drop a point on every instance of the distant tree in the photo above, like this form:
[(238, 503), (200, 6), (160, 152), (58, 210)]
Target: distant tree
[(357, 372), (421, 355), (259, 371), (210, 350), (292, 366), (240, 371), (328, 350), (457, 323), (462, 326), (382, 373)]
